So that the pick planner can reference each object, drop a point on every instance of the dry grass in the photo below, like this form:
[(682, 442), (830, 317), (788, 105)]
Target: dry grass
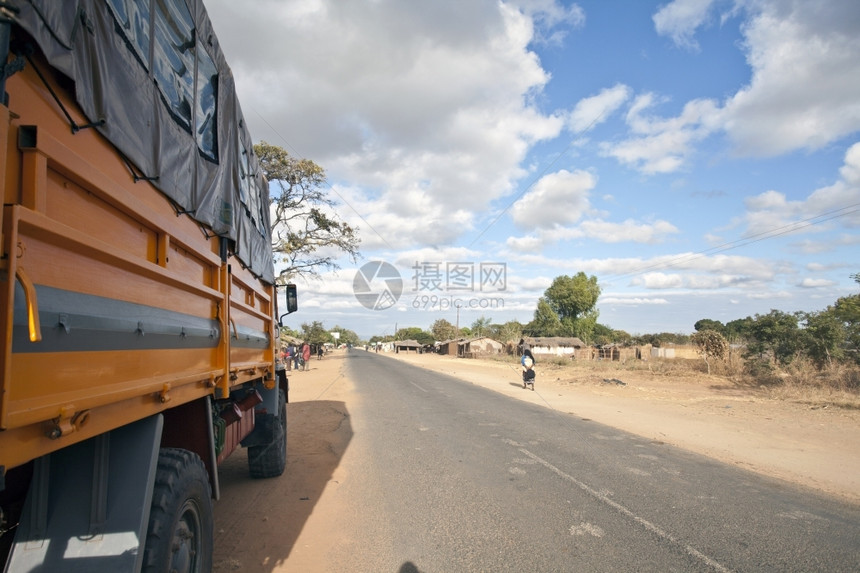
[(802, 382)]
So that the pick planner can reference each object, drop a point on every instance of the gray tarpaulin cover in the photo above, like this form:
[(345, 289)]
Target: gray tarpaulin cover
[(205, 166)]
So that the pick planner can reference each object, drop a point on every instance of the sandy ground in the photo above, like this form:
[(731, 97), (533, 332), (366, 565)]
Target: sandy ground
[(316, 518)]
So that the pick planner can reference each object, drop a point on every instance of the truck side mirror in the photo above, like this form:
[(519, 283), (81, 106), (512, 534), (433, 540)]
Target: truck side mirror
[(292, 301)]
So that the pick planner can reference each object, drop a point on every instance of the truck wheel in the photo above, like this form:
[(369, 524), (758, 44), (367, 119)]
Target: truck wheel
[(270, 460), (179, 536)]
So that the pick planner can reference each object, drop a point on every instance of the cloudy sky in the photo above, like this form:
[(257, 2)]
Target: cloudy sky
[(701, 158)]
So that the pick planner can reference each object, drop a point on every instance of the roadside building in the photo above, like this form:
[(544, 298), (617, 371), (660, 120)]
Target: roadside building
[(554, 346), (481, 346)]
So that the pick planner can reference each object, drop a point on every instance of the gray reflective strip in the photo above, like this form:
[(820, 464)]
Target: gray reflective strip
[(75, 322), (249, 338)]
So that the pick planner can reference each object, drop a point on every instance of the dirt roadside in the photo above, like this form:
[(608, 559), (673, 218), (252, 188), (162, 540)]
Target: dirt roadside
[(308, 519)]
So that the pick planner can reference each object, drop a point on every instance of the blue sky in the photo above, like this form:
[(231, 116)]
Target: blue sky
[(700, 158)]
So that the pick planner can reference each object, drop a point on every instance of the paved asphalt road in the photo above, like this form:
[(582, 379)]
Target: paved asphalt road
[(476, 481)]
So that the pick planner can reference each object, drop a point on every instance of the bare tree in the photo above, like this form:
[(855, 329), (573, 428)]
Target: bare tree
[(711, 344), (307, 234)]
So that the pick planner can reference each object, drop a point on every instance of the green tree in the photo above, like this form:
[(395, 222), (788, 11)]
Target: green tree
[(738, 330), (315, 333), (545, 321), (346, 336), (481, 326), (708, 324), (603, 335), (847, 310), (306, 233), (443, 330), (711, 345), (583, 326), (775, 335), (408, 333), (509, 331), (824, 336), (571, 297), (622, 337)]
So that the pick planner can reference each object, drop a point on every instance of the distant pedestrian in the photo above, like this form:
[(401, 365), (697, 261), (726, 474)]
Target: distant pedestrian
[(297, 356), (288, 356), (306, 355), (528, 363)]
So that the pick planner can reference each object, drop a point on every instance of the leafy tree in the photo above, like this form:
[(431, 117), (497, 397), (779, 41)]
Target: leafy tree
[(847, 310), (708, 324), (622, 337), (545, 321), (661, 339), (602, 334), (408, 333), (824, 335), (711, 344), (480, 326), (315, 333), (306, 234), (443, 330), (346, 336), (583, 326), (511, 330), (776, 335), (646, 339), (425, 338), (573, 300), (738, 330), (414, 333)]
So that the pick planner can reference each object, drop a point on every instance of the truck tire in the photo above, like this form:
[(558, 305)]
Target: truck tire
[(179, 536), (270, 460)]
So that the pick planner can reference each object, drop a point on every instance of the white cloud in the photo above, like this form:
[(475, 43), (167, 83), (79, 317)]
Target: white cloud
[(771, 213), (851, 170), (805, 87), (804, 91), (559, 198), (767, 295), (527, 244), (634, 301), (662, 145), (658, 280), (628, 231), (680, 19), (409, 101), (815, 283), (596, 109)]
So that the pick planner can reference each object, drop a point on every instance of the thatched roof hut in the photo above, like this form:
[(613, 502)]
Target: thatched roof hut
[(551, 345)]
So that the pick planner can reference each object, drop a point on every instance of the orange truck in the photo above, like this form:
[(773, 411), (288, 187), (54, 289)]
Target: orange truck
[(139, 317)]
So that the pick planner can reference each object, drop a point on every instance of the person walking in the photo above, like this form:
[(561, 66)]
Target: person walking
[(306, 355), (289, 351), (528, 363)]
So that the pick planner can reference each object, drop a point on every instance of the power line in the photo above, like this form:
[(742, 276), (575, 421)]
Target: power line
[(748, 240)]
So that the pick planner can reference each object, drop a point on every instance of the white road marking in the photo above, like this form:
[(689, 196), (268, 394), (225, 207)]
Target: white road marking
[(602, 497)]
